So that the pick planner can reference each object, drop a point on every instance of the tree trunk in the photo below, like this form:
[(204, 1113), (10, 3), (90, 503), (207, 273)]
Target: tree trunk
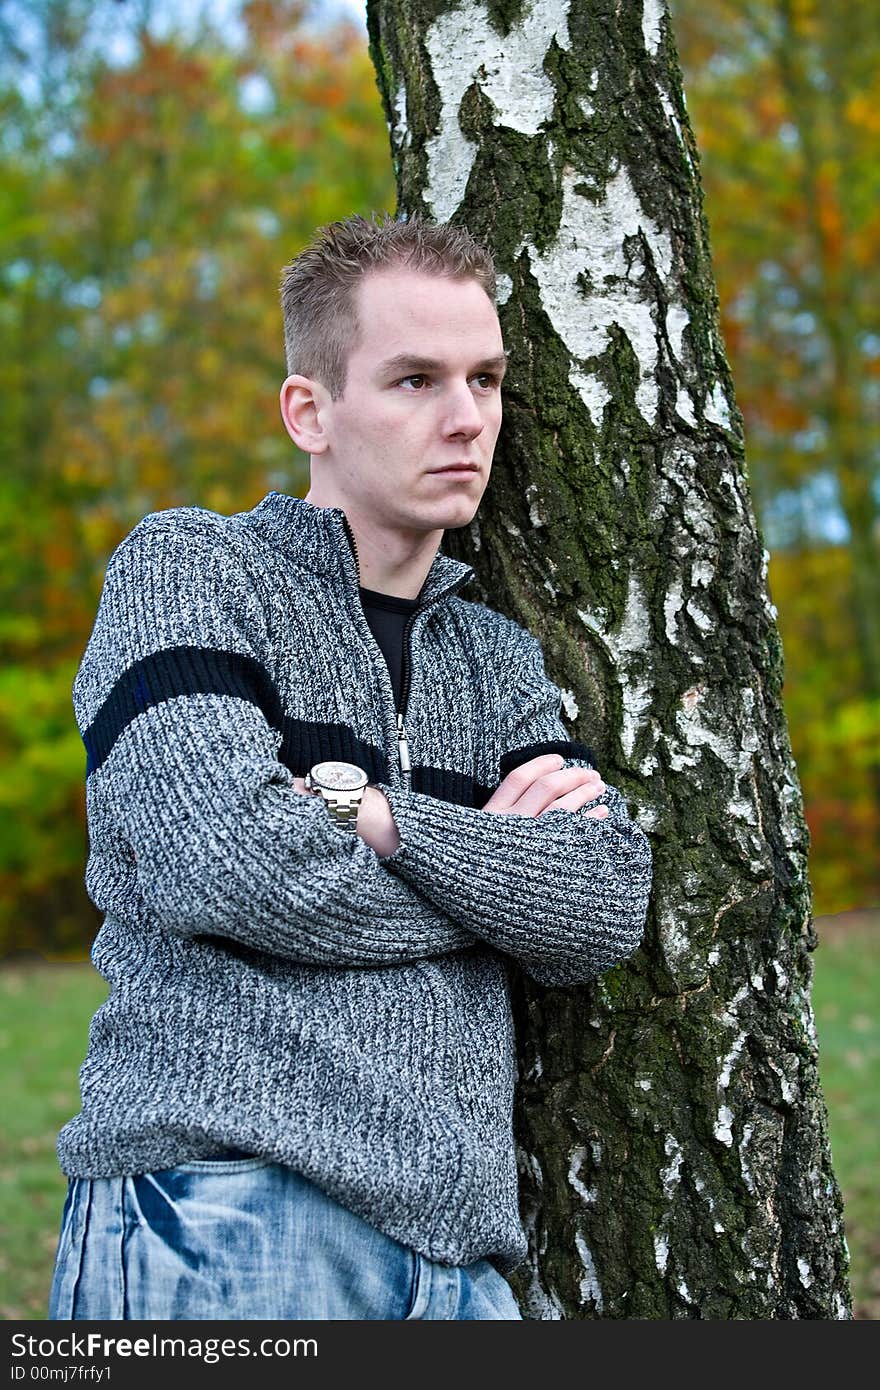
[(674, 1157)]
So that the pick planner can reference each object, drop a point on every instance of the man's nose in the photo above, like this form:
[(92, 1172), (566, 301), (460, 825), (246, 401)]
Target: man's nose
[(461, 412)]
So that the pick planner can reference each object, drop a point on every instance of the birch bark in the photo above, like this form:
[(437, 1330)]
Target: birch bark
[(671, 1129)]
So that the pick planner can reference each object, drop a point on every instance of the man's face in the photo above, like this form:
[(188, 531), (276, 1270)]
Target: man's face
[(423, 391)]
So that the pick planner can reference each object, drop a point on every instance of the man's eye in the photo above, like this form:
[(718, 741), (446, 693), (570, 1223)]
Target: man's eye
[(481, 375)]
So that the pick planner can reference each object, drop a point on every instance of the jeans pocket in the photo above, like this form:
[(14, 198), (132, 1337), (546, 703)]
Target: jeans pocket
[(69, 1255), (414, 1304), (244, 1164)]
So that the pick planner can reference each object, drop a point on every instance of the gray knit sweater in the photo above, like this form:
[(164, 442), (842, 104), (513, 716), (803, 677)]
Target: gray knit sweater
[(275, 985)]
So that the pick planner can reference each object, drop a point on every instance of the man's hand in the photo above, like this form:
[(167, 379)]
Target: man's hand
[(545, 784), (539, 785), (375, 823)]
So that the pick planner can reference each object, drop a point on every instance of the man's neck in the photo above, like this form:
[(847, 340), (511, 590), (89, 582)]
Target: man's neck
[(389, 562)]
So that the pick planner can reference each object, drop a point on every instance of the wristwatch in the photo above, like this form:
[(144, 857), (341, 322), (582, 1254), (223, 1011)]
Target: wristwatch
[(342, 787)]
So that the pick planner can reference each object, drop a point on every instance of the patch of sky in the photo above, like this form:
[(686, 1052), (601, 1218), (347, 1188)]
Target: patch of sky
[(255, 94), (810, 513), (16, 272), (83, 294), (207, 271)]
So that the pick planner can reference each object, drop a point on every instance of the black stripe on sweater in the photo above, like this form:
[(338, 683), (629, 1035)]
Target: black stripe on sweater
[(566, 747), (172, 672), (178, 671)]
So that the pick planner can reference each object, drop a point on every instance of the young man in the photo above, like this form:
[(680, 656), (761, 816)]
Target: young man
[(331, 803)]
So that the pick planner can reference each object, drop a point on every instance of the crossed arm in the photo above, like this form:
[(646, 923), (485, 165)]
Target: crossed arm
[(541, 784), (561, 886), (226, 844)]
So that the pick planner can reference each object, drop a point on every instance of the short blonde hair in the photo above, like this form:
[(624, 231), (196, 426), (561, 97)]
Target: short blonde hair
[(318, 286)]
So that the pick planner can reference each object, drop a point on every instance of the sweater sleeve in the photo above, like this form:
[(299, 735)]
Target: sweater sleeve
[(182, 726), (564, 893)]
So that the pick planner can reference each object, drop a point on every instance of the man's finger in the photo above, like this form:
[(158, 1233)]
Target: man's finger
[(521, 778)]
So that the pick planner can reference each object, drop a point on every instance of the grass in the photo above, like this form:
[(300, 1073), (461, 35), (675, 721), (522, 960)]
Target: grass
[(46, 1013), (846, 994), (46, 1010)]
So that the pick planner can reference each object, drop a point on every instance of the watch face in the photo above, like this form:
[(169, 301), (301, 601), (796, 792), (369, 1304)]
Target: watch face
[(341, 777)]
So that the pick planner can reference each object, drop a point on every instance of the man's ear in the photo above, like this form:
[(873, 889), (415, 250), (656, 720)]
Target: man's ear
[(302, 405)]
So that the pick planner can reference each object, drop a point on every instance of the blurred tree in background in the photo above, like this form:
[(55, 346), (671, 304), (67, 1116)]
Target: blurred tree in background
[(784, 97), (147, 208), (156, 177)]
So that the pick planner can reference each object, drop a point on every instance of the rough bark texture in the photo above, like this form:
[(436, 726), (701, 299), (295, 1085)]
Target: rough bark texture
[(673, 1140)]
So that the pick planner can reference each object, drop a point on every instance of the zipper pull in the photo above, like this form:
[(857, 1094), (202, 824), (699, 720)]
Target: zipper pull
[(403, 748)]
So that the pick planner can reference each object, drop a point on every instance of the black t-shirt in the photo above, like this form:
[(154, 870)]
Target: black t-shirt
[(387, 616)]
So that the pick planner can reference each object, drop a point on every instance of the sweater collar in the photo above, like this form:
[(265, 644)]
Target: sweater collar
[(317, 537)]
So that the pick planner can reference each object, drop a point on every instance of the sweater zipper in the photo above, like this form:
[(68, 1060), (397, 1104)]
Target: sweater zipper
[(403, 757)]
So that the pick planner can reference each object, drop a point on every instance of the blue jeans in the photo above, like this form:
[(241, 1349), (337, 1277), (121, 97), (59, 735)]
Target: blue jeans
[(247, 1238)]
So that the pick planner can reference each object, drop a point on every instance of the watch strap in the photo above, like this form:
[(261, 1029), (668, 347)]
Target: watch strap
[(343, 808)]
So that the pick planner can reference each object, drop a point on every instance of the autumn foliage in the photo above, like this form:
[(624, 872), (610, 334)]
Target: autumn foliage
[(147, 204)]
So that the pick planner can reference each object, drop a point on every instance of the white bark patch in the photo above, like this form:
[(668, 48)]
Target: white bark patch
[(677, 320), (735, 747), (590, 244), (586, 106), (672, 606), (399, 130), (591, 1291), (589, 1194), (702, 573), (652, 17), (722, 1128), (681, 490), (744, 1166), (570, 705), (593, 392), (670, 1176), (644, 1084), (702, 619), (806, 1274), (474, 529), (769, 608), (597, 622), (464, 47), (503, 288), (632, 636), (727, 1064), (672, 118), (787, 1089), (661, 1252), (716, 408), (536, 1070), (675, 941), (684, 406), (535, 516)]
